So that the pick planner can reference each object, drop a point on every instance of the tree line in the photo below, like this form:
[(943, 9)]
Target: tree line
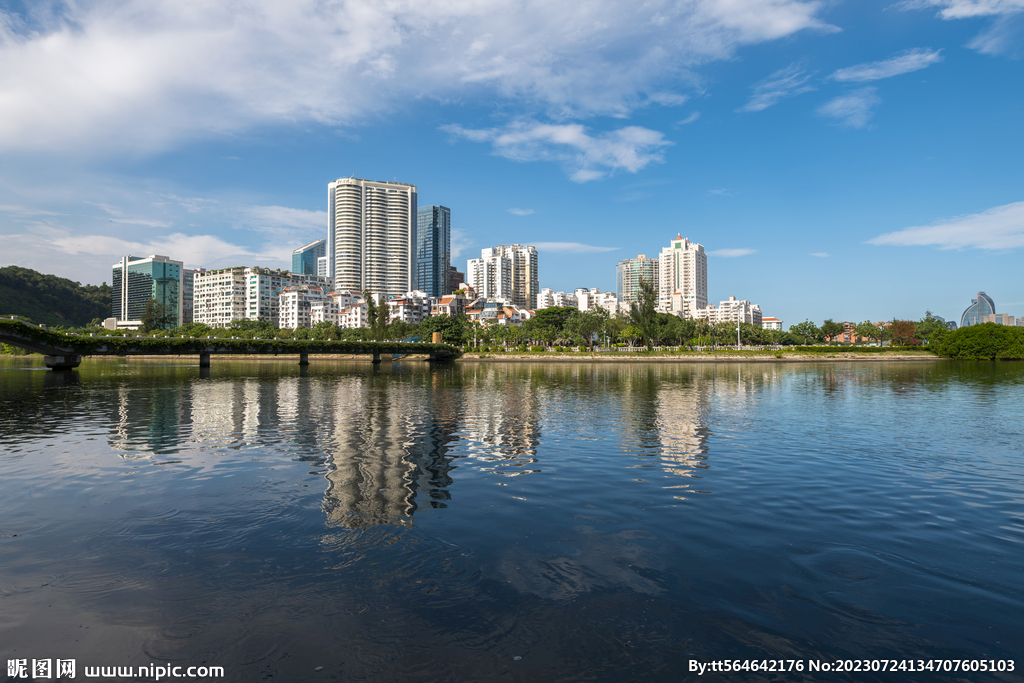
[(51, 300), (562, 327)]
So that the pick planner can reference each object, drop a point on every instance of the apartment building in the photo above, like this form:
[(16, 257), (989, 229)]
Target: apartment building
[(628, 274), (412, 307), (683, 278), (295, 305), (135, 280), (244, 293), (730, 311), (525, 279), (490, 275), (371, 236)]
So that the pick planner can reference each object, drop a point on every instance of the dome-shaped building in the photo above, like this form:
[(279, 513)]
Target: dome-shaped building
[(979, 308)]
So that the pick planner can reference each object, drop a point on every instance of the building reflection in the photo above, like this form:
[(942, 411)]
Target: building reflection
[(382, 442), (503, 409), (389, 448), (683, 416), (147, 420)]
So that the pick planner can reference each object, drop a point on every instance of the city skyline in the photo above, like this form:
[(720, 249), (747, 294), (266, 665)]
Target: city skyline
[(869, 151)]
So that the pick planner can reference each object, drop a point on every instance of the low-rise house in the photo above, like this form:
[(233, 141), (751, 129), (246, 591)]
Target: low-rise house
[(354, 316), (413, 308), (295, 305), (731, 310)]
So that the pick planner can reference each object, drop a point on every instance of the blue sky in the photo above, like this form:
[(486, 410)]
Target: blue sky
[(836, 159)]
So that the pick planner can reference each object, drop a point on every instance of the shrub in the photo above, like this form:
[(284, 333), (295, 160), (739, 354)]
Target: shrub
[(537, 348), (987, 341)]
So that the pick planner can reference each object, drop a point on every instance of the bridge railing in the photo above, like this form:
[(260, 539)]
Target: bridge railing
[(18, 318)]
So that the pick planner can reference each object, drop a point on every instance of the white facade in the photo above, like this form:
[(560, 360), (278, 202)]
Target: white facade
[(188, 288), (371, 239), (450, 304), (683, 278), (771, 324), (413, 307), (354, 316), (731, 311), (243, 293), (548, 299), (524, 277), (609, 302), (295, 305), (490, 276), (496, 313), (323, 311)]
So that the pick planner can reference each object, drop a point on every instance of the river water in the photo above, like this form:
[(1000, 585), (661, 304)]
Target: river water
[(512, 521)]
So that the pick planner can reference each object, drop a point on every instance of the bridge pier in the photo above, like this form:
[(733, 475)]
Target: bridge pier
[(60, 363), (204, 360), (303, 359), (376, 357)]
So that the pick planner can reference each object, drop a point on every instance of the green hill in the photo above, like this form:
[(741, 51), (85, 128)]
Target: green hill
[(51, 300)]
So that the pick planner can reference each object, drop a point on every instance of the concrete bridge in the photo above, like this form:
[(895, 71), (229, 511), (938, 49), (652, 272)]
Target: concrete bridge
[(65, 351)]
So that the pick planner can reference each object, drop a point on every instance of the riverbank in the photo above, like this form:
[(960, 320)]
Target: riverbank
[(564, 357), (697, 358)]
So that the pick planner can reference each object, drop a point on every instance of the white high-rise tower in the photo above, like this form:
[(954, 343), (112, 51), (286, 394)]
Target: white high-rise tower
[(683, 278), (371, 236)]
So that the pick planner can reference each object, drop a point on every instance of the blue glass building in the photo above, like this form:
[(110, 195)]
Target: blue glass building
[(304, 258), (978, 309), (433, 250), (136, 280)]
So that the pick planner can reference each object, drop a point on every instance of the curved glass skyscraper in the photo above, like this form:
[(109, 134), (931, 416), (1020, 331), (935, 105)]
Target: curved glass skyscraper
[(979, 308)]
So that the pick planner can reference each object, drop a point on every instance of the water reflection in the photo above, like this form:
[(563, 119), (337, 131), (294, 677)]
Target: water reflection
[(503, 407), (351, 517), (387, 447)]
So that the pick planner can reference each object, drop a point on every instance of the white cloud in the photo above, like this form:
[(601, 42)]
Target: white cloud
[(25, 211), (191, 249), (146, 222), (1003, 37), (59, 233), (720, 192), (667, 99), (1001, 227), (690, 119), (571, 247), (853, 109), (283, 216), (820, 254), (732, 253), (460, 243), (144, 75), (585, 156), (965, 9), (905, 62), (783, 83), (520, 212)]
